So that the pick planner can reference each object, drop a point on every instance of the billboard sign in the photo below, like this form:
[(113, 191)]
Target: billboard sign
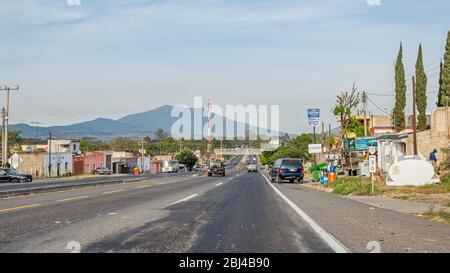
[(315, 148)]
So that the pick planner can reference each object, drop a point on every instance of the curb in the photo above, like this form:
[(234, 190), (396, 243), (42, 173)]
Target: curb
[(16, 193)]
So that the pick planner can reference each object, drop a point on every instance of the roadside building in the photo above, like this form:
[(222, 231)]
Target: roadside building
[(384, 124), (32, 163), (34, 148), (122, 162), (64, 146), (93, 161), (61, 164), (438, 137), (392, 146)]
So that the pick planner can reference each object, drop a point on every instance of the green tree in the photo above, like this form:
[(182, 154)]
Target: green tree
[(14, 142), (160, 134), (441, 93), (400, 92), (444, 81), (421, 92), (124, 143), (89, 144), (301, 143), (188, 158)]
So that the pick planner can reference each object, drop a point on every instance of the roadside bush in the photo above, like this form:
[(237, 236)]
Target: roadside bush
[(352, 186)]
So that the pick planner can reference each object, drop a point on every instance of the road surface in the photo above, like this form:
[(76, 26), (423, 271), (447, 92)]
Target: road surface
[(239, 213)]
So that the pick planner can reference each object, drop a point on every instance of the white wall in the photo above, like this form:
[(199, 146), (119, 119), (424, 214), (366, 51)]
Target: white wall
[(64, 160)]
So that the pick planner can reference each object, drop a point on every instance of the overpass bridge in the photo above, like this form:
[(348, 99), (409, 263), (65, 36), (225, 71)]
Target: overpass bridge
[(237, 151)]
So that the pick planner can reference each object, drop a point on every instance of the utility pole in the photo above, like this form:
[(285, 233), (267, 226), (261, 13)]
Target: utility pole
[(364, 100), (414, 116), (49, 154), (36, 124), (142, 155), (5, 116), (314, 133)]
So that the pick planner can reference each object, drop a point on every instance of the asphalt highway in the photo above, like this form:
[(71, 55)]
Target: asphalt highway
[(239, 213)]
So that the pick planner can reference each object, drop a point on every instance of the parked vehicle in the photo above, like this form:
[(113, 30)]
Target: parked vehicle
[(216, 167), (197, 168), (102, 171), (170, 166), (290, 169), (11, 176), (252, 168)]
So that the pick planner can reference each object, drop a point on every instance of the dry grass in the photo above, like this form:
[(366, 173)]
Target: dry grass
[(435, 194), (440, 216)]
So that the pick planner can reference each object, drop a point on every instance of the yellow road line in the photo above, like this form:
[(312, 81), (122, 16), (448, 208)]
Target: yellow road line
[(110, 192), (21, 207), (73, 198)]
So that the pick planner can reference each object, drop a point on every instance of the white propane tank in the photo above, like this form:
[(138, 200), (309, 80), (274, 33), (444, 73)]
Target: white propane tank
[(411, 171)]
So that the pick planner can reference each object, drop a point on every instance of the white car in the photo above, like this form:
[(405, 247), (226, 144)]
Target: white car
[(252, 168)]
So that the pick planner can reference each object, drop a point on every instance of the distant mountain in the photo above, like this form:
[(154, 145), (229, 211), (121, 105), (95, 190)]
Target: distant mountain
[(145, 123)]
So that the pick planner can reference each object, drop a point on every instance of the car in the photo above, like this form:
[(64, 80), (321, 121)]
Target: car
[(216, 167), (8, 175), (252, 168), (290, 169), (197, 168), (102, 171), (170, 166)]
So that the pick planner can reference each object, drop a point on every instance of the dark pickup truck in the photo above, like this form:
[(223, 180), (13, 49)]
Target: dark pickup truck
[(11, 176)]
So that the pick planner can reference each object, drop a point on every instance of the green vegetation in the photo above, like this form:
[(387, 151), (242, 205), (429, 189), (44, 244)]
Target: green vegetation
[(421, 92), (444, 79), (188, 158), (14, 141), (346, 105), (400, 92), (296, 148), (351, 186)]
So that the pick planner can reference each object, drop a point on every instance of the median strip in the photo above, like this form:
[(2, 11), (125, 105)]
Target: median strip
[(21, 207)]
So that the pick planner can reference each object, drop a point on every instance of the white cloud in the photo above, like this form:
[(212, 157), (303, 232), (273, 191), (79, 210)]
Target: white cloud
[(374, 2)]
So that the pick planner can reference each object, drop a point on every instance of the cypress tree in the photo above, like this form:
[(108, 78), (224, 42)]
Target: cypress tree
[(421, 92), (400, 93), (441, 93), (445, 96)]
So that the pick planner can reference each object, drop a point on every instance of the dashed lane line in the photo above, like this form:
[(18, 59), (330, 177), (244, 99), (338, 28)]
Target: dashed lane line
[(184, 199)]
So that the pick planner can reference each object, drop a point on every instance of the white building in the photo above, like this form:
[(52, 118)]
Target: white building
[(64, 146), (61, 164)]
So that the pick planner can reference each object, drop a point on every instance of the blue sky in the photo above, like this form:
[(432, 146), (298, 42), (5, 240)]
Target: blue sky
[(112, 58)]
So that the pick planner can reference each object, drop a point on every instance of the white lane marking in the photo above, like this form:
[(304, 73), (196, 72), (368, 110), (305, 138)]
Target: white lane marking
[(332, 242), (184, 199), (219, 184)]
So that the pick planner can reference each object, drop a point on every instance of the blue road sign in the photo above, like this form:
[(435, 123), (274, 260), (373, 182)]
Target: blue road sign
[(314, 116)]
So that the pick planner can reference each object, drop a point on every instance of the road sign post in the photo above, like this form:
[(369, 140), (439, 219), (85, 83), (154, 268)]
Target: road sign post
[(314, 120), (372, 169)]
